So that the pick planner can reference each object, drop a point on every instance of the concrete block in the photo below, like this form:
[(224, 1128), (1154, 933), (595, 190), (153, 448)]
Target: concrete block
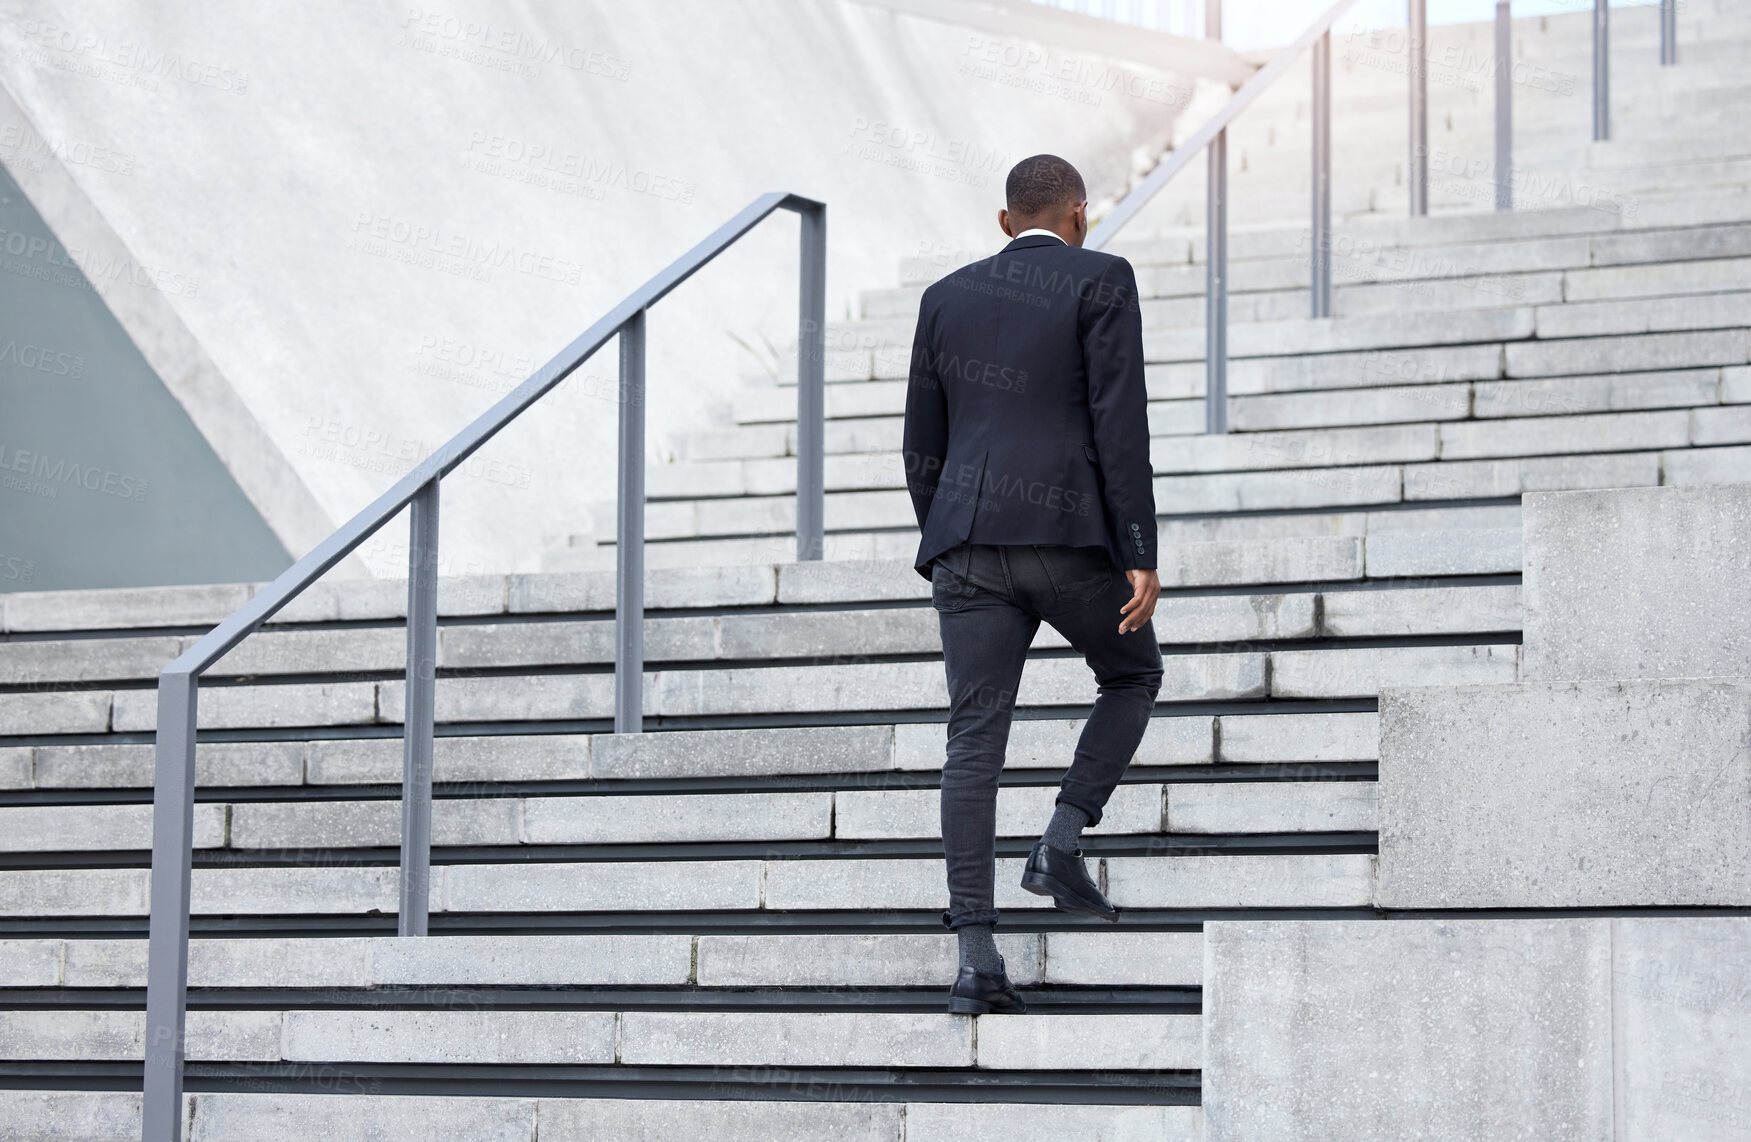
[(1643, 315), (519, 757), (1637, 353), (666, 588), (232, 1036), (124, 607), (880, 883), (830, 636), (1360, 672), (773, 1038), (1686, 1035), (272, 962), (361, 599), (1422, 610), (552, 1037), (1381, 1032), (1644, 583), (1387, 405), (1161, 959), (17, 767), (1234, 881), (1709, 426), (1613, 392), (532, 960), (130, 766), (1271, 807), (30, 963), (850, 581), (265, 891), (260, 707), (1185, 619), (85, 660), (73, 1115), (1025, 1122), (840, 687), (1371, 368), (729, 1120), (1313, 448), (73, 892), (1303, 559), (1573, 794), (1544, 435), (563, 643), (1464, 479), (1410, 554), (1265, 491), (1022, 811), (56, 712), (1706, 466), (851, 959), (1736, 385), (1069, 1042), (531, 697), (267, 653), (603, 886), (1657, 279), (1268, 738), (283, 825), (1049, 743), (388, 1118), (652, 819), (742, 753), (96, 828)]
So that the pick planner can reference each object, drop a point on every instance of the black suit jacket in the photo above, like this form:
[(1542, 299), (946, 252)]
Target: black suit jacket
[(1026, 415)]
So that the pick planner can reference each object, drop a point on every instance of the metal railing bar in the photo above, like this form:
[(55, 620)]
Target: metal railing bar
[(1176, 160)]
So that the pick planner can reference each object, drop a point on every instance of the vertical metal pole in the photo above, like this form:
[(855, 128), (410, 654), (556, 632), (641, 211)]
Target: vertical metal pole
[(1504, 107), (1321, 264), (629, 536), (1216, 262), (420, 710), (1668, 32), (1601, 71), (173, 811), (1416, 65), (811, 480)]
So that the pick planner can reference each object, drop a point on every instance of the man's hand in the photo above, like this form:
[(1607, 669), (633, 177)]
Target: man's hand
[(1145, 589)]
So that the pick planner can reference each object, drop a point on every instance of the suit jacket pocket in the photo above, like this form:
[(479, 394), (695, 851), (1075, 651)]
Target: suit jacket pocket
[(1088, 451)]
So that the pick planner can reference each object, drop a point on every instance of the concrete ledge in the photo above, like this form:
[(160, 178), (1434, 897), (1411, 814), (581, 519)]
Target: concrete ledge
[(1566, 793), (1638, 583)]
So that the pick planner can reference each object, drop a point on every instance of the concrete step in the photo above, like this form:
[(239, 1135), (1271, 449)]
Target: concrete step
[(114, 1116), (799, 959), (1227, 880), (1136, 809), (751, 754)]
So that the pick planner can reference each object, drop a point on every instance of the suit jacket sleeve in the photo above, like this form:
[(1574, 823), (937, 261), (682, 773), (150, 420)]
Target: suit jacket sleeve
[(1118, 405), (925, 441)]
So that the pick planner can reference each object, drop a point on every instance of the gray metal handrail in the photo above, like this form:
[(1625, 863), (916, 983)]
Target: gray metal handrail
[(174, 772)]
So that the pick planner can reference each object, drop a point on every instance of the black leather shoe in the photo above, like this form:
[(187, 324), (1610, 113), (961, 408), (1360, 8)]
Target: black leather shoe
[(979, 993), (1064, 877)]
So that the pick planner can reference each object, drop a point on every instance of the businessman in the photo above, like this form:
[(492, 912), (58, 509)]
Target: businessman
[(1027, 457)]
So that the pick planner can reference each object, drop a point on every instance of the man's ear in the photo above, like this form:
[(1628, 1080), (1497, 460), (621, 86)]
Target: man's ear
[(1081, 213), (1003, 222)]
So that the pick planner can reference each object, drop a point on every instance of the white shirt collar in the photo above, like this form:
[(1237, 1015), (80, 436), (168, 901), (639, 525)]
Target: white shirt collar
[(1040, 230)]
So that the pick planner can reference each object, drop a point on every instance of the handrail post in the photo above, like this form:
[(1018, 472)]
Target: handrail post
[(1668, 32), (629, 536), (1321, 264), (1416, 66), (1216, 262), (811, 480), (1601, 71), (419, 712), (1504, 107), (173, 810)]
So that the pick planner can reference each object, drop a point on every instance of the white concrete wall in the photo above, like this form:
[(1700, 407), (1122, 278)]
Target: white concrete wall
[(342, 206)]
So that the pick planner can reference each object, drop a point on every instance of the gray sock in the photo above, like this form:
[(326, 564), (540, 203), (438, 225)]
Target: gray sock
[(1065, 830), (979, 948)]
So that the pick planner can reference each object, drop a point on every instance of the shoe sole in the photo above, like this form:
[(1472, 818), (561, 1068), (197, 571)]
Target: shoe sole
[(960, 1006), (1041, 885)]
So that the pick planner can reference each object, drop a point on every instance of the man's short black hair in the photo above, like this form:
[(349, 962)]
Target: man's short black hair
[(1043, 182)]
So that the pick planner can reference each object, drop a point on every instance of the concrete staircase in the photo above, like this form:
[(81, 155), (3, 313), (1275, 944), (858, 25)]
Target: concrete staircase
[(728, 927)]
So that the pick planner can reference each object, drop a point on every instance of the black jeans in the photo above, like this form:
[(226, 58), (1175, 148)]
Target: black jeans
[(989, 602)]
